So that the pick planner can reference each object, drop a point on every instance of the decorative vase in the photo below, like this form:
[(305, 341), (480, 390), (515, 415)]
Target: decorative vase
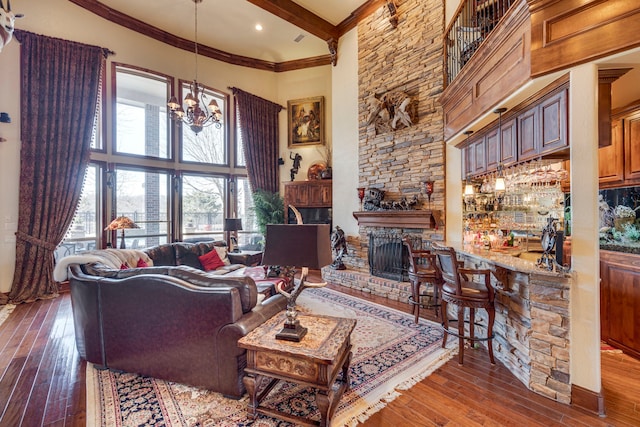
[(327, 173)]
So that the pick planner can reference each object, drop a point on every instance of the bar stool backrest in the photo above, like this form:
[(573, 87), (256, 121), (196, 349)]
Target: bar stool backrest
[(421, 261), (448, 264)]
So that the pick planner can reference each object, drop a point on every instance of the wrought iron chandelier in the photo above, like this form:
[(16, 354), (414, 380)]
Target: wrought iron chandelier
[(194, 116)]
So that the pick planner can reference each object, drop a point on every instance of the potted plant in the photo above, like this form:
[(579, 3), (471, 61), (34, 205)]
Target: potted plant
[(326, 154), (269, 209)]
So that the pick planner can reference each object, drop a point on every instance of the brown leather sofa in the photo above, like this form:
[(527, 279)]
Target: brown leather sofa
[(169, 321)]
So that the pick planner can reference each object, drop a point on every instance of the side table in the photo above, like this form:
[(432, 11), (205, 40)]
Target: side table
[(315, 361)]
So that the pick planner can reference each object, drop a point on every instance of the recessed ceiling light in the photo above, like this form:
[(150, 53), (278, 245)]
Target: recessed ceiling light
[(258, 27)]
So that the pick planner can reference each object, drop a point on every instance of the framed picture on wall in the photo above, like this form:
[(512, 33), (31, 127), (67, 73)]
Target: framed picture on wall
[(306, 121)]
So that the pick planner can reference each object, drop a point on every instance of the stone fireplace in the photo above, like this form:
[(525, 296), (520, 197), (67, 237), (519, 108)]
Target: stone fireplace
[(399, 161), (388, 258), (387, 228)]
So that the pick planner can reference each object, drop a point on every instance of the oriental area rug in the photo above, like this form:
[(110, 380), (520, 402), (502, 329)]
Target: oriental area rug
[(390, 354)]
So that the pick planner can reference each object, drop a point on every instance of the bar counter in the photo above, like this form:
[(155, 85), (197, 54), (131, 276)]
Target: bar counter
[(505, 258), (532, 319)]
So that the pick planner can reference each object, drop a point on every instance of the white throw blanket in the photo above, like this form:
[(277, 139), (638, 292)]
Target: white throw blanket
[(113, 258)]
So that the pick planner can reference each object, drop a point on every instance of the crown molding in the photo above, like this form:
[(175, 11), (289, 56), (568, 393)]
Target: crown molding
[(285, 9)]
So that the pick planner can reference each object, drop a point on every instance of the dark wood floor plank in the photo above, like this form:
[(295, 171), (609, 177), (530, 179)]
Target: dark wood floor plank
[(29, 398), (477, 400), (11, 376), (14, 330)]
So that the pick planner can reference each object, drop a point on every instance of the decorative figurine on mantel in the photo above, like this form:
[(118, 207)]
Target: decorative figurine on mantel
[(339, 246), (296, 164), (374, 201)]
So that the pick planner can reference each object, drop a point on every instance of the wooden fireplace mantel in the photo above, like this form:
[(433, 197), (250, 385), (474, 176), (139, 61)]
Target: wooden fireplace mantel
[(425, 219)]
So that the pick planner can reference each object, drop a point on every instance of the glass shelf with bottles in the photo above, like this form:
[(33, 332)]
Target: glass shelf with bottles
[(527, 195)]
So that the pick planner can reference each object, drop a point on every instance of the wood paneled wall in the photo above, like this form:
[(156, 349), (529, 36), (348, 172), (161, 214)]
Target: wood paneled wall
[(570, 32), (498, 68)]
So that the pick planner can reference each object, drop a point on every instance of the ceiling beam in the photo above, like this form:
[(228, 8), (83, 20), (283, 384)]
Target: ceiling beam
[(300, 17)]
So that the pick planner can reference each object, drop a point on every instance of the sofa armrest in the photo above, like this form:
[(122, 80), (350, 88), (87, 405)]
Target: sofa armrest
[(230, 334), (231, 358)]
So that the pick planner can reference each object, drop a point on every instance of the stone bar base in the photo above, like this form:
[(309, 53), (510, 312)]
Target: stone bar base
[(532, 322), (362, 281)]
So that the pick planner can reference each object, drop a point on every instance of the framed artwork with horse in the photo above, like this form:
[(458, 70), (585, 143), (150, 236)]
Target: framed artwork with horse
[(306, 121)]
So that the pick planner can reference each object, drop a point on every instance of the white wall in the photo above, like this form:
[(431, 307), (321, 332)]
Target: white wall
[(9, 161), (585, 295), (63, 19), (450, 7), (345, 135), (301, 84)]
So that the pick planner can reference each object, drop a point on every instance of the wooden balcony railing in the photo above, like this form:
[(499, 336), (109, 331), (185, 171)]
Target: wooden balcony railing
[(473, 22)]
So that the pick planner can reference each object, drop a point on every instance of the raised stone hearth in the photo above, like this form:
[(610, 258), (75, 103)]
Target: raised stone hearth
[(363, 281)]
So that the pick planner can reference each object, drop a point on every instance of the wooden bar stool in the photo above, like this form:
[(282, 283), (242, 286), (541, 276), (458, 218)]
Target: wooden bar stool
[(422, 271), (458, 288)]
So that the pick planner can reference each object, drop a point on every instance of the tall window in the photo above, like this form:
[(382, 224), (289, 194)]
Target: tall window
[(210, 145), (142, 195), (84, 232), (141, 113), (172, 183), (249, 238), (203, 206)]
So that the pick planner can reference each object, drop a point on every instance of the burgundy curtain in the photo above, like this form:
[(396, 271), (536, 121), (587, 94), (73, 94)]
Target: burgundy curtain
[(60, 83), (258, 120)]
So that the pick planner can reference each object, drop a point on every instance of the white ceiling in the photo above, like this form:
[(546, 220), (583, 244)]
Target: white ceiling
[(229, 25)]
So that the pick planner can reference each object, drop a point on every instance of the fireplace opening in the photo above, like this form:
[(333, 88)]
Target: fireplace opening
[(387, 256)]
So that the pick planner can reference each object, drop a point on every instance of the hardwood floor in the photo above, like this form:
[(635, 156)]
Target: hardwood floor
[(42, 382)]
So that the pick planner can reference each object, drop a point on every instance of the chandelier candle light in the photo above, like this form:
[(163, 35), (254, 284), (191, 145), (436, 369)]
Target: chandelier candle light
[(194, 116)]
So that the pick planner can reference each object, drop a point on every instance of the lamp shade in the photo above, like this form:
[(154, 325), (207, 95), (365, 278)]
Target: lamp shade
[(121, 223), (303, 245), (232, 224), (468, 190)]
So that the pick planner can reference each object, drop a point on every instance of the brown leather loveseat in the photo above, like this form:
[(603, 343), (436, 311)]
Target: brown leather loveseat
[(173, 322)]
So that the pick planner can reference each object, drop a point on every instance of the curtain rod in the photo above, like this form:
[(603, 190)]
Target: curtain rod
[(235, 89)]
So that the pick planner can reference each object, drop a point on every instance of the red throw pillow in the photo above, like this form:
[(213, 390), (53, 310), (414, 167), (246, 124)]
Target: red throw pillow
[(211, 261), (124, 266), (141, 263)]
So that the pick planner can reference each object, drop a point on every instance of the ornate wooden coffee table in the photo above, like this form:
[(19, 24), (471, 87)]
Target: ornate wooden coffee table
[(315, 361)]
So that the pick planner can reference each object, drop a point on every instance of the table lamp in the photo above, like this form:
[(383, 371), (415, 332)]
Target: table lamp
[(121, 223), (298, 245), (231, 227)]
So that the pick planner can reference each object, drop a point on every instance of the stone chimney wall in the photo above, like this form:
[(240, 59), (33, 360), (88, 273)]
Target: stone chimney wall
[(407, 58)]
